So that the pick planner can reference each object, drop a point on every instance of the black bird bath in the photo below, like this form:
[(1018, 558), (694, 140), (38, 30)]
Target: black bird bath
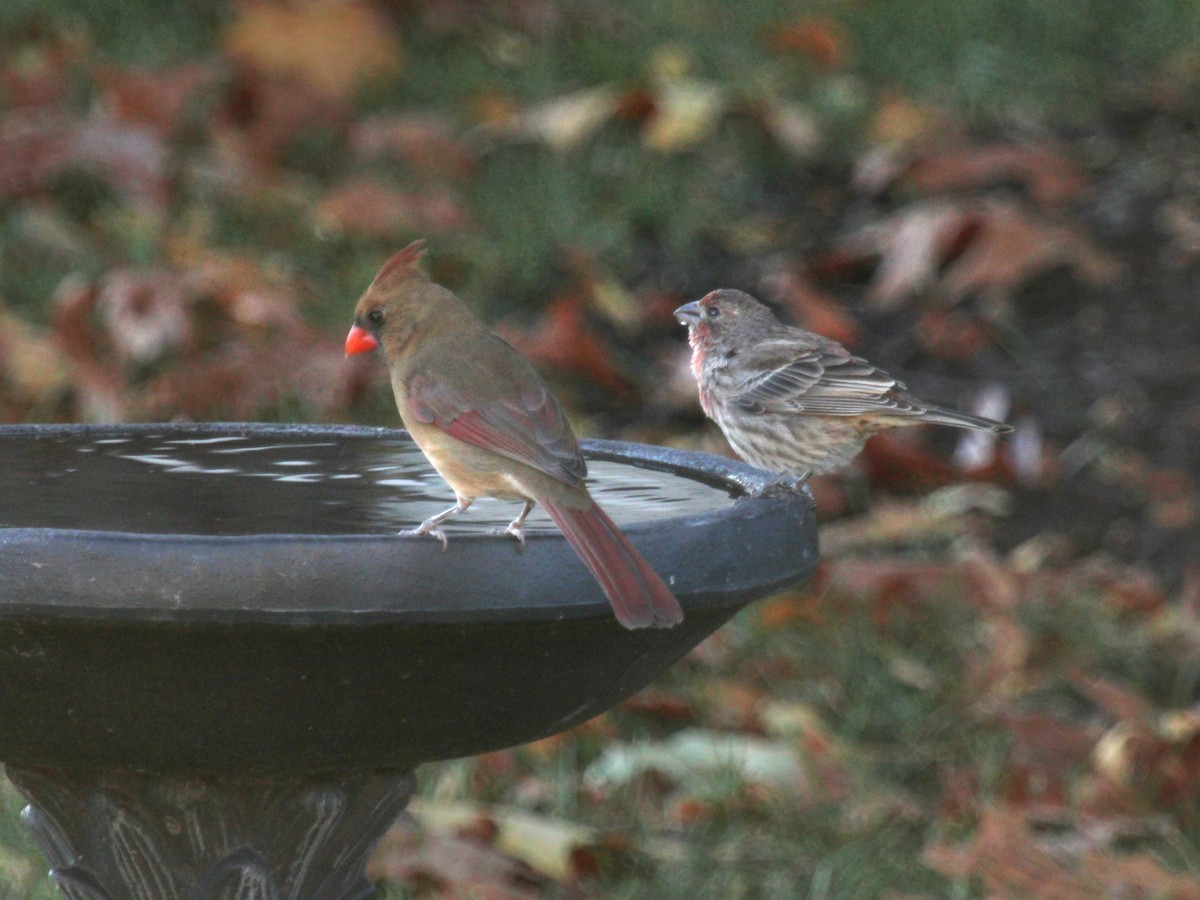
[(219, 664)]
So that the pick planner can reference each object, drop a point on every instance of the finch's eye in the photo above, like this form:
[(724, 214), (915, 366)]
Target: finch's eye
[(712, 312), (375, 317)]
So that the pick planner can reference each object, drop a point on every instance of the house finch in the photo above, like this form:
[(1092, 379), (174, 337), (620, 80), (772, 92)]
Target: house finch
[(791, 401), (489, 425)]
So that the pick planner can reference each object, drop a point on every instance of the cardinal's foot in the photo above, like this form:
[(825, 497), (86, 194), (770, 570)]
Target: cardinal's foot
[(515, 530), (433, 530)]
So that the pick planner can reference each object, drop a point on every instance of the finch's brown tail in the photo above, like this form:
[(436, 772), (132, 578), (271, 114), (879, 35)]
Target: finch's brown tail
[(638, 596), (939, 415)]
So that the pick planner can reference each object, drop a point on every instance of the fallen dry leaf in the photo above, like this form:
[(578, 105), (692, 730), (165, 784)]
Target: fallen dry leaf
[(966, 247), (792, 126), (133, 158), (245, 293), (952, 334), (1048, 176), (792, 288), (39, 75), (911, 247), (456, 867), (145, 313), (548, 845), (423, 143), (372, 208), (823, 41), (1010, 863), (334, 45), (686, 112), (262, 113), (563, 339), (156, 100), (34, 146), (561, 122), (1013, 245), (896, 523)]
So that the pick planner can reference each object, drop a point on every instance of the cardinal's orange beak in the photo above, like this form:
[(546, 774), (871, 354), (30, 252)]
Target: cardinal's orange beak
[(359, 340)]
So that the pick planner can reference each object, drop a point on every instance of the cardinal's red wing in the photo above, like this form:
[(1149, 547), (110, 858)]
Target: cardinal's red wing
[(529, 427)]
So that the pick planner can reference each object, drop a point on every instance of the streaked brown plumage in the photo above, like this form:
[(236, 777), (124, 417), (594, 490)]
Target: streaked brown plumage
[(791, 401), (489, 425)]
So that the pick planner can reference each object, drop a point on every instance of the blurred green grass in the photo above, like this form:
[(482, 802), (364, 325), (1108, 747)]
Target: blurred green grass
[(993, 63)]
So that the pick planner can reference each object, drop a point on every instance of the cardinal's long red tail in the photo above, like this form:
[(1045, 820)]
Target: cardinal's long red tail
[(638, 596)]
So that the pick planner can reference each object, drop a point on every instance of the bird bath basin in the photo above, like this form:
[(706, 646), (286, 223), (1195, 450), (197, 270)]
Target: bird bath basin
[(221, 664)]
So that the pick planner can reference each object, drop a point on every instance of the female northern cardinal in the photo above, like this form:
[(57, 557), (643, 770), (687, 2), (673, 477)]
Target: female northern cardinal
[(489, 425), (791, 401)]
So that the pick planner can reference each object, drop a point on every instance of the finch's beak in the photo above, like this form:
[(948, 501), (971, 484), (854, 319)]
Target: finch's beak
[(359, 340), (689, 314)]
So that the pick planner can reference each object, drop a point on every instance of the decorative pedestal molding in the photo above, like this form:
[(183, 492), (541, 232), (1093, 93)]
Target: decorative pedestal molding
[(140, 836)]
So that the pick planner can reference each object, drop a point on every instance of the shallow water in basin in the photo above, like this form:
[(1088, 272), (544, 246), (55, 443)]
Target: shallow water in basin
[(226, 484)]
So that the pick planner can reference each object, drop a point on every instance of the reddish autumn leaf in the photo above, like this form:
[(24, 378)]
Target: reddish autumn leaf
[(97, 383), (34, 146), (1014, 245), (424, 144), (660, 704), (562, 338), (39, 75), (261, 114), (156, 100), (811, 307), (952, 334), (1124, 588), (965, 247), (248, 296), (786, 610), (896, 461), (1153, 764), (1140, 875), (1048, 176), (372, 208), (1047, 753), (1011, 864), (823, 41), (733, 704), (915, 580), (910, 247), (458, 867), (251, 378)]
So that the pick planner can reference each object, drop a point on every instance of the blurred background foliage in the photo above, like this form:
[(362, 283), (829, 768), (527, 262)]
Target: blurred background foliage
[(991, 688)]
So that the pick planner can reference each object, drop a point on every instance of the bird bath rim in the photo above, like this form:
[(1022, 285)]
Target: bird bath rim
[(303, 569)]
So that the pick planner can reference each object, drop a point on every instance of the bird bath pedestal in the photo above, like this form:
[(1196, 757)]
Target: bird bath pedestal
[(220, 664)]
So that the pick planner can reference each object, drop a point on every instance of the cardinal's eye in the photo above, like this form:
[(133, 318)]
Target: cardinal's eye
[(712, 312), (375, 317)]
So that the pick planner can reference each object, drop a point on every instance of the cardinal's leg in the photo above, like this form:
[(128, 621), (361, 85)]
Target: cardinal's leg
[(517, 526), (433, 525)]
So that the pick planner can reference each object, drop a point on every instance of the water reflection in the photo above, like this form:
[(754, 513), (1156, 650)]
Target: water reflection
[(233, 484)]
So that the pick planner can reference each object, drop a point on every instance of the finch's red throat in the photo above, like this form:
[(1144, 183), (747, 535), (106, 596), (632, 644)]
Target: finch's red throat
[(359, 340)]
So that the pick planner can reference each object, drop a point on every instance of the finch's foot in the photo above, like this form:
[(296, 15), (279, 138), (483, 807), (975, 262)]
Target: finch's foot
[(781, 486)]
